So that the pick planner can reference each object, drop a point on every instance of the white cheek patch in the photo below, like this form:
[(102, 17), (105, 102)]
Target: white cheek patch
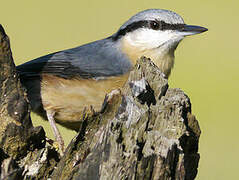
[(150, 39)]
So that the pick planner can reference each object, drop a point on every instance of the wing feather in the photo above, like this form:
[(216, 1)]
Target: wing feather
[(98, 59)]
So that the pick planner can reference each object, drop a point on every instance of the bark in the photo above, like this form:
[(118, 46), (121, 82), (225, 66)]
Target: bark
[(23, 150), (145, 130)]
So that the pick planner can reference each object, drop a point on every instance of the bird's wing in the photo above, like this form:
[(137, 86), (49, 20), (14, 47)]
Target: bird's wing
[(94, 60)]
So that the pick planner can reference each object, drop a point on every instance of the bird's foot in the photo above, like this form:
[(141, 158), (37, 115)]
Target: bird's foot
[(59, 140)]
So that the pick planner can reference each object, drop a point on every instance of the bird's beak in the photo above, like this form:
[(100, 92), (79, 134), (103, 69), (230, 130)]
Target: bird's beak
[(188, 30)]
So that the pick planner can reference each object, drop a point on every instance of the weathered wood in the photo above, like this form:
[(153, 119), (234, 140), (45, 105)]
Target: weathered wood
[(147, 131), (23, 150), (144, 131)]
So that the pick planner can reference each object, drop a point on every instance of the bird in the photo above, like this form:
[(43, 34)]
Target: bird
[(59, 85)]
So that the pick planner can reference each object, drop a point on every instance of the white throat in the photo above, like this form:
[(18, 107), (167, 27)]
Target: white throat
[(159, 46)]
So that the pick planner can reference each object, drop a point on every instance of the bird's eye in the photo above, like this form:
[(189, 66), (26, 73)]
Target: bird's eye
[(154, 25)]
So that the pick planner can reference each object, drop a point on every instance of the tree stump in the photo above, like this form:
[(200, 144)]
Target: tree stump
[(145, 130)]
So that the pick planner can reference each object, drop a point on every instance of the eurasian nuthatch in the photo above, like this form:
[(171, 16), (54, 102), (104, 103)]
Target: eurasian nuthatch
[(61, 84)]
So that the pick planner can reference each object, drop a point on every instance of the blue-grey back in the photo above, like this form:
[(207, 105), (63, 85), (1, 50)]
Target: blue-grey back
[(101, 58)]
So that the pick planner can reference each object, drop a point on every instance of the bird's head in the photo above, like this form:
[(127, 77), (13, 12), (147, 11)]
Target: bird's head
[(154, 33)]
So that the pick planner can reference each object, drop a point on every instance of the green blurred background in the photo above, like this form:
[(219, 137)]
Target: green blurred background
[(206, 65)]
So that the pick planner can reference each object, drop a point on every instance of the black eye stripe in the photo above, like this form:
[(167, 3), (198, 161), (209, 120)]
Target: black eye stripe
[(166, 26), (147, 24), (130, 28)]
